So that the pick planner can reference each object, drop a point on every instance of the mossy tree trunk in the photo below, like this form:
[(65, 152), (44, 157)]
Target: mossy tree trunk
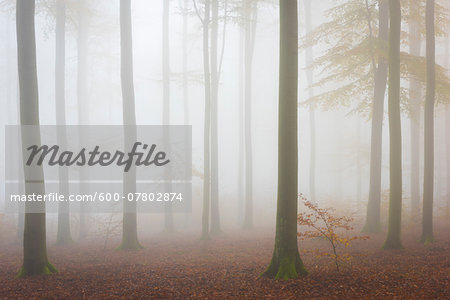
[(129, 229), (428, 185), (35, 261), (395, 130), (286, 262), (373, 207), (63, 235)]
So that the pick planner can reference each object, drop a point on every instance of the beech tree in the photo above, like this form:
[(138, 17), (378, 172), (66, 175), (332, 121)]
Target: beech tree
[(250, 19), (395, 129), (415, 94), (286, 262), (82, 103), (63, 235), (312, 115), (129, 229), (428, 185), (380, 78), (35, 261), (168, 220)]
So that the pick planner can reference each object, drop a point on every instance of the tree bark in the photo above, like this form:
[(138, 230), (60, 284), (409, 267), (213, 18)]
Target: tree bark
[(83, 108), (373, 207), (207, 125), (241, 161), (35, 261), (312, 114), (395, 134), (415, 95), (129, 226), (168, 214), (63, 234), (286, 262), (215, 214), (250, 31), (428, 184)]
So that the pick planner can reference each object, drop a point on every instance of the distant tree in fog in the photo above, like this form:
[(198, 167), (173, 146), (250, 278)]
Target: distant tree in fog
[(129, 228), (428, 185), (63, 235)]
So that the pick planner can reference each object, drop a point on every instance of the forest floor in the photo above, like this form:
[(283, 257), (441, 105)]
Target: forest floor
[(183, 267)]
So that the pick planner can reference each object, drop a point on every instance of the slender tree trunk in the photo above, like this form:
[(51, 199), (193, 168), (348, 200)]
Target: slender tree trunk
[(415, 96), (373, 207), (11, 102), (129, 229), (428, 185), (63, 234), (250, 31), (359, 173), (447, 136), (35, 259), (215, 215), (186, 116), (312, 114), (207, 126), (241, 161), (168, 221), (286, 262), (395, 130), (83, 108)]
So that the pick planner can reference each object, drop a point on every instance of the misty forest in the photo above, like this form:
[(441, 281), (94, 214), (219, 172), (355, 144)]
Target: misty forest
[(316, 137)]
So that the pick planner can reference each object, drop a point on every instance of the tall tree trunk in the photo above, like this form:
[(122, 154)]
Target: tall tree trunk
[(207, 125), (250, 31), (286, 262), (312, 114), (186, 116), (63, 234), (373, 207), (168, 214), (447, 136), (415, 96), (83, 108), (359, 173), (129, 229), (428, 184), (240, 177), (395, 129), (35, 259), (215, 215)]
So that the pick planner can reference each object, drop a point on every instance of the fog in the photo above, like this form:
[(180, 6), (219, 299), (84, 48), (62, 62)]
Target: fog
[(343, 137)]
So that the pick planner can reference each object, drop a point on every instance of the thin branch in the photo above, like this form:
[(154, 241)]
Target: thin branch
[(223, 39), (197, 12)]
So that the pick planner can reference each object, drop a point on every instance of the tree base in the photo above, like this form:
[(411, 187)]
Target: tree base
[(427, 239), (248, 227), (205, 237), (286, 268), (130, 246), (64, 241), (216, 232), (372, 228), (46, 269), (392, 245)]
